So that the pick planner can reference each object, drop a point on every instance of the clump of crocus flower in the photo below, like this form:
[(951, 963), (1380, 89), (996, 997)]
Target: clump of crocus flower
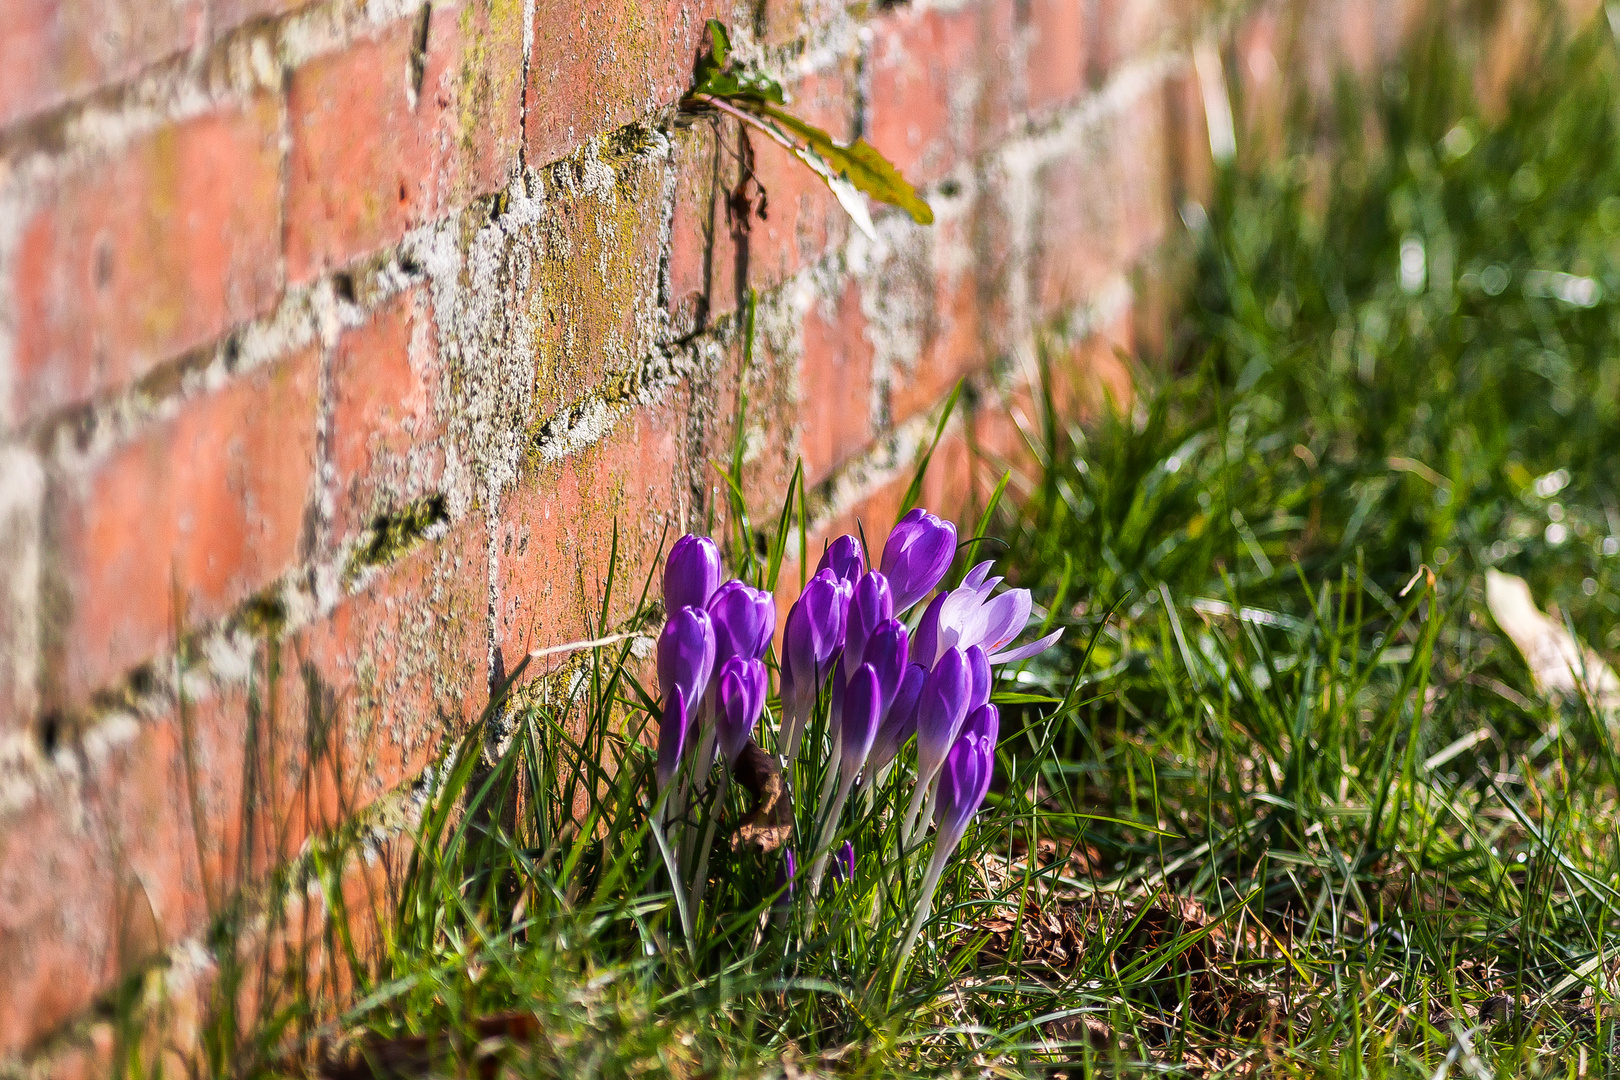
[(865, 666)]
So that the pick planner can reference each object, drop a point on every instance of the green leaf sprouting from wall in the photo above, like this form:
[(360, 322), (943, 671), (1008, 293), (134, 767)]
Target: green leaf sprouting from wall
[(756, 99)]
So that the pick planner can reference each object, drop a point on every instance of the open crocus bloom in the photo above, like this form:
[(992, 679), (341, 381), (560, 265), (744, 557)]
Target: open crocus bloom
[(971, 615)]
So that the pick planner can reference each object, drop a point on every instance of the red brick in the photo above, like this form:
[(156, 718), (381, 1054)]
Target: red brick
[(212, 502), (1130, 30), (1102, 206), (945, 290), (702, 249), (596, 67), (940, 84), (1055, 60), (803, 220), (366, 166), (383, 447), (57, 50), (556, 529), (98, 876), (835, 385), (595, 274), (129, 261)]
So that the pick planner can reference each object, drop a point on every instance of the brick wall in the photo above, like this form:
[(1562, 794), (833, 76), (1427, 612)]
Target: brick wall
[(336, 336)]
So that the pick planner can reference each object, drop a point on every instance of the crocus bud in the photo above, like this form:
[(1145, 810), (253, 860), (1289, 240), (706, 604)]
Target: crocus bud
[(843, 866), (671, 738), (888, 652), (844, 558), (744, 619), (941, 709), (863, 703), (963, 783), (983, 722), (916, 556), (686, 654), (742, 699), (815, 630), (900, 722), (870, 607), (691, 573), (979, 672)]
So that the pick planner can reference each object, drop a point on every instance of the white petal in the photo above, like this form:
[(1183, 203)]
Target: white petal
[(1024, 652)]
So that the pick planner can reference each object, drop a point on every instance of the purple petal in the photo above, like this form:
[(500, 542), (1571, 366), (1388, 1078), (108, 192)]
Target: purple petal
[(671, 738), (925, 643), (844, 558), (979, 670), (941, 710), (975, 577), (863, 702), (744, 619), (742, 699), (1024, 652), (686, 653), (692, 572), (918, 552), (871, 605), (1005, 617), (900, 722)]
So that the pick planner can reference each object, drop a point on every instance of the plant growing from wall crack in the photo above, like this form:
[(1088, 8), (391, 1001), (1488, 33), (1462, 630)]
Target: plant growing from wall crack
[(755, 99)]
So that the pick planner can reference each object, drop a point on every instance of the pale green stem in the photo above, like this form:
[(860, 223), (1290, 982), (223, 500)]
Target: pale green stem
[(829, 829), (925, 904), (700, 881)]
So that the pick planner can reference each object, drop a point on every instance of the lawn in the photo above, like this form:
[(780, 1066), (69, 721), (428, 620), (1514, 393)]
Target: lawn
[(1286, 797)]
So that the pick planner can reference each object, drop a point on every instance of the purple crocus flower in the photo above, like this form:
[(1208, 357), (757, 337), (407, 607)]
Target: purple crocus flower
[(888, 651), (863, 710), (899, 723), (744, 619), (965, 780), (810, 641), (941, 709), (691, 573), (845, 558), (671, 738), (686, 654), (863, 704), (918, 552), (963, 783), (971, 615), (787, 872), (843, 867), (742, 686), (979, 673), (871, 606)]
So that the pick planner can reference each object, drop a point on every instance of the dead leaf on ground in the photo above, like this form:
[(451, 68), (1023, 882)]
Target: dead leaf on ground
[(770, 824), (1559, 665)]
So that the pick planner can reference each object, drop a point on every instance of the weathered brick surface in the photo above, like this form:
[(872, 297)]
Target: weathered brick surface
[(274, 270), (157, 248), (209, 505), (377, 149), (56, 50), (941, 84), (597, 67), (159, 820), (385, 449)]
